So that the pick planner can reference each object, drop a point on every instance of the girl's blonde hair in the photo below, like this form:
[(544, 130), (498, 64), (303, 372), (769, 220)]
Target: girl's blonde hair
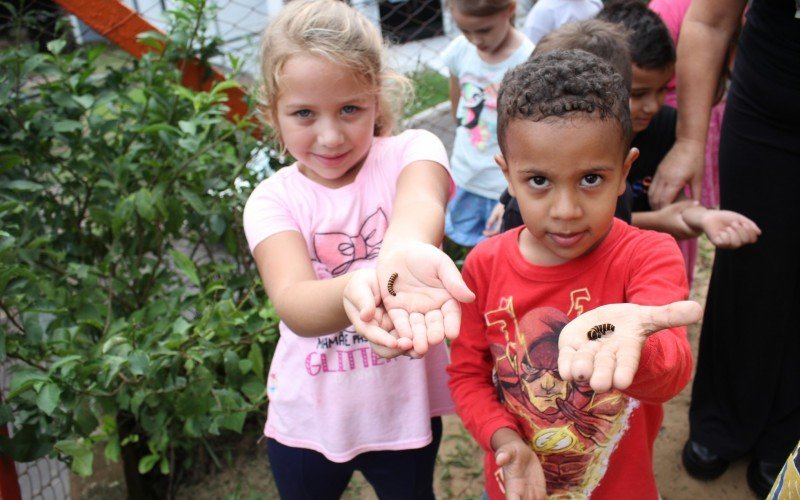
[(481, 8), (342, 35)]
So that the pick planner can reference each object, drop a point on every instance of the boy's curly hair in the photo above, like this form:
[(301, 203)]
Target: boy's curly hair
[(563, 84)]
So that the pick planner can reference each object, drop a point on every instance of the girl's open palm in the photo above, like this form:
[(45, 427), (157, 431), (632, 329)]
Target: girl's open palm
[(612, 360), (428, 289)]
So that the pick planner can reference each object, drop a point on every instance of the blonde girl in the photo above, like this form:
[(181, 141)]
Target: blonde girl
[(358, 207), (477, 60)]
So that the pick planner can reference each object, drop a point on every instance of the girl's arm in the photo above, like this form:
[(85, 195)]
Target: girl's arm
[(705, 35), (667, 220), (428, 287), (310, 307), (724, 228), (455, 95)]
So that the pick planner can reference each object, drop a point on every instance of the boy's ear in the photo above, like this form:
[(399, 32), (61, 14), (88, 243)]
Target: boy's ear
[(501, 162), (626, 167)]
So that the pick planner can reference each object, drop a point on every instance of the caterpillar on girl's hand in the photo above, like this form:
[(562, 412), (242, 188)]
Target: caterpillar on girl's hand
[(390, 284), (598, 331)]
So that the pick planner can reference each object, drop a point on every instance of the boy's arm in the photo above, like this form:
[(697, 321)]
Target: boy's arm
[(724, 228), (649, 366), (471, 384)]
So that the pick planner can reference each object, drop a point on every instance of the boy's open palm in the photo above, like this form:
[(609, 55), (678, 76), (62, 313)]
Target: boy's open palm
[(612, 360)]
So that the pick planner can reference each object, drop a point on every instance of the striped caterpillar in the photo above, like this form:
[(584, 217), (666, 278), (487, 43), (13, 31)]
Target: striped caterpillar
[(598, 331), (390, 285)]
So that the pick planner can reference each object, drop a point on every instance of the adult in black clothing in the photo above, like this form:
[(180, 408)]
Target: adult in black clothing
[(745, 397)]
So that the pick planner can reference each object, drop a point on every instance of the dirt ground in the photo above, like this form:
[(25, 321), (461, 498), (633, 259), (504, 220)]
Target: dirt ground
[(459, 474)]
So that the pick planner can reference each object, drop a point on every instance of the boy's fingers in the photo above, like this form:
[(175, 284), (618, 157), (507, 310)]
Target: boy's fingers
[(680, 313), (565, 355), (627, 366), (605, 363)]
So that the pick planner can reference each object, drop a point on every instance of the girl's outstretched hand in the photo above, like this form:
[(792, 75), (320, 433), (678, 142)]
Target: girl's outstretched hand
[(611, 361), (362, 303), (728, 229), (424, 298)]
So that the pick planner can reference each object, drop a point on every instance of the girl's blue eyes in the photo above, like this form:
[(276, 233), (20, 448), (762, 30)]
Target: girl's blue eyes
[(306, 113)]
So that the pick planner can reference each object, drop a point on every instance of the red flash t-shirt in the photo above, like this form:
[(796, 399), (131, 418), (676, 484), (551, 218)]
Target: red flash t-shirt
[(504, 369)]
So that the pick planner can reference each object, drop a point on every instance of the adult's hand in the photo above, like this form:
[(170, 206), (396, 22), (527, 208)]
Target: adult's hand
[(683, 164)]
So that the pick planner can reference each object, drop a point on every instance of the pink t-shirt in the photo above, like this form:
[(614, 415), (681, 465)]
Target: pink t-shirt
[(332, 394)]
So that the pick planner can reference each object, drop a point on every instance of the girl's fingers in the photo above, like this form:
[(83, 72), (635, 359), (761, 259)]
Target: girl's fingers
[(451, 311), (419, 333), (452, 281), (434, 324)]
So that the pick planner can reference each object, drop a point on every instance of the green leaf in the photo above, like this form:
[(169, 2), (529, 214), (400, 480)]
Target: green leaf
[(188, 127), (23, 185), (143, 200), (80, 453), (48, 398), (225, 85), (147, 463), (67, 126), (159, 127), (139, 362), (194, 201), (180, 325), (24, 380), (85, 101), (232, 421), (253, 388), (56, 46), (186, 265), (257, 358)]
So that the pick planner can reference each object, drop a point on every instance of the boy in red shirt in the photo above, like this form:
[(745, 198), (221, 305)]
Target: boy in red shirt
[(553, 409)]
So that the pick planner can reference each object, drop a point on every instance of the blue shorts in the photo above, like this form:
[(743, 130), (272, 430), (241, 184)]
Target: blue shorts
[(466, 217)]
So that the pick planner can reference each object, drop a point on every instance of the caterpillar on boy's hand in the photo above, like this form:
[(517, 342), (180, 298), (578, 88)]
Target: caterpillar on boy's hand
[(598, 331), (390, 284)]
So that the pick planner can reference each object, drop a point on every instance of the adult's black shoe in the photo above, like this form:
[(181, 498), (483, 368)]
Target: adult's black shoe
[(761, 476), (702, 463)]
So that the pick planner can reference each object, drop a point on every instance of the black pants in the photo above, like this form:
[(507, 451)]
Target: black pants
[(404, 474)]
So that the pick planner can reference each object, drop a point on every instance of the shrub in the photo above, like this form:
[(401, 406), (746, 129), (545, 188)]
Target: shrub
[(129, 305)]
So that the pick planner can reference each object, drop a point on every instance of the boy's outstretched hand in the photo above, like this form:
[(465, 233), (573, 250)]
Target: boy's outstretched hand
[(425, 307), (520, 475), (612, 360)]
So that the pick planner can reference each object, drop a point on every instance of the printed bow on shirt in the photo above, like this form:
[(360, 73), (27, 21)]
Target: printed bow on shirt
[(338, 251)]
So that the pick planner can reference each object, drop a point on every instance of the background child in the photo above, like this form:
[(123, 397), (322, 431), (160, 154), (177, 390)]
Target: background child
[(548, 15), (653, 57), (564, 131), (317, 229), (477, 61), (603, 39)]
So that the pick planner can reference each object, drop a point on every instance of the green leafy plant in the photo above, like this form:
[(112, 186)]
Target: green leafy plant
[(130, 311)]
